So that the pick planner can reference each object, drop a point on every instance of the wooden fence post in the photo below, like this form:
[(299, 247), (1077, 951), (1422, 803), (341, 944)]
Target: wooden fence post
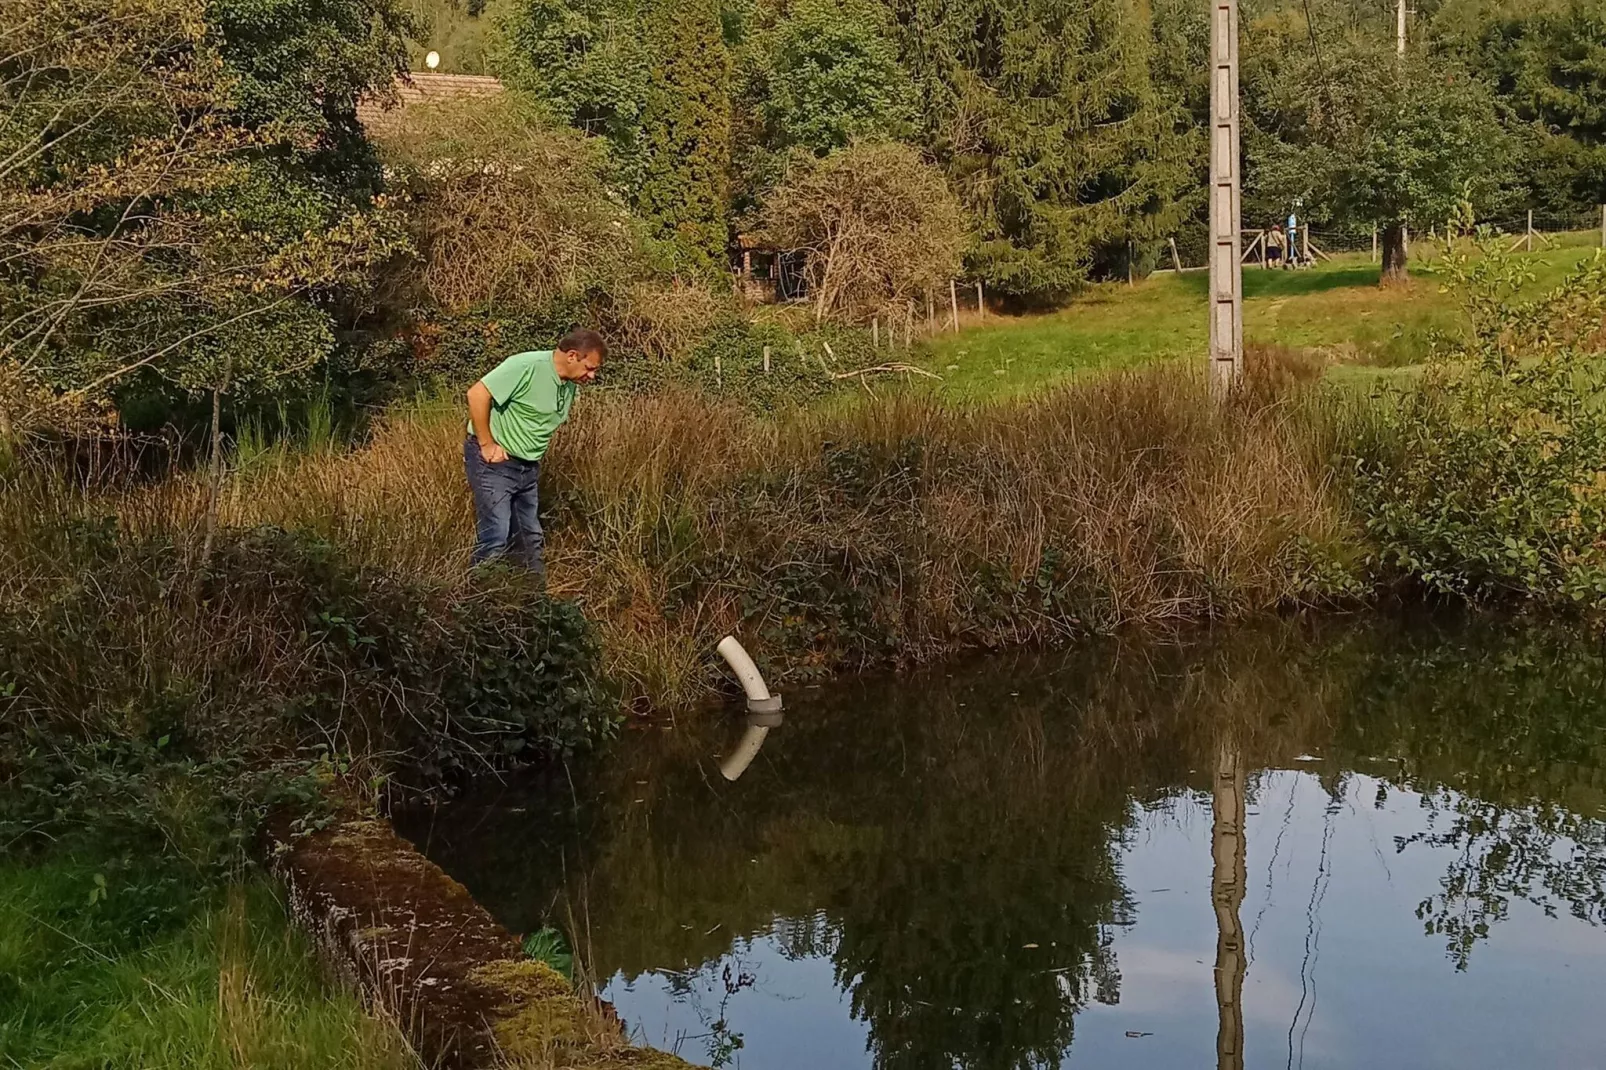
[(719, 369), (1254, 246), (875, 332), (766, 360), (1603, 226), (931, 312), (1374, 243), (1530, 230), (1176, 257), (981, 303), (953, 301), (909, 325)]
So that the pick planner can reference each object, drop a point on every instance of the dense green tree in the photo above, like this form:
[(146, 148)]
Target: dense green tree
[(1541, 59), (813, 76), (1073, 130), (1547, 64), (684, 197), (1045, 114), (655, 80), (834, 76), (588, 62), (166, 237), (1367, 138), (300, 66)]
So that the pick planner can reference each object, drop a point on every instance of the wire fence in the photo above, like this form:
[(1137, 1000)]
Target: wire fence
[(964, 302), (1188, 249)]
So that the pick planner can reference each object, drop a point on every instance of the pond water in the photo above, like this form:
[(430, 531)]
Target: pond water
[(1335, 845)]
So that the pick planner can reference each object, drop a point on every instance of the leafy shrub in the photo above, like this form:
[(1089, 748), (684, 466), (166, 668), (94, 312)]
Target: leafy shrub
[(504, 206), (134, 686), (880, 225), (1493, 478), (453, 350), (665, 320)]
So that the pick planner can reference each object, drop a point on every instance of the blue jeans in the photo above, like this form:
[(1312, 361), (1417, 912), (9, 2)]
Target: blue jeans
[(506, 514)]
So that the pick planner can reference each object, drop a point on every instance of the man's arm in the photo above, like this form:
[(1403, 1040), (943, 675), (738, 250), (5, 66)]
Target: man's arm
[(479, 414)]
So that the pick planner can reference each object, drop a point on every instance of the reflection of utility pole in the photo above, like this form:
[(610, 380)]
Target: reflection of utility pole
[(1227, 878), (1226, 273)]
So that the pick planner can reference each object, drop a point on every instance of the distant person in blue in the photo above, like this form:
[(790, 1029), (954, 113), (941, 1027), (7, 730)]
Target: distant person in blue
[(1293, 238)]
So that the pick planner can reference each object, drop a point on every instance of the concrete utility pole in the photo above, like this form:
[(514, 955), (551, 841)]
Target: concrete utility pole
[(1399, 26), (1226, 270)]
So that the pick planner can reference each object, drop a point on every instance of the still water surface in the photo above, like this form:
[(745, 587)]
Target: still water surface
[(1348, 846)]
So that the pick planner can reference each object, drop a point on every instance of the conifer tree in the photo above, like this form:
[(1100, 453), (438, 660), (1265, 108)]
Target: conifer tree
[(685, 191), (1046, 116)]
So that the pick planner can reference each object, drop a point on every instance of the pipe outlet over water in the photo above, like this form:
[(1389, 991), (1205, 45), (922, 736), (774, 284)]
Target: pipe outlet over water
[(763, 708)]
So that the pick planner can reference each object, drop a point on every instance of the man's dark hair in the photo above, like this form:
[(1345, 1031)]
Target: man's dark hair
[(583, 340)]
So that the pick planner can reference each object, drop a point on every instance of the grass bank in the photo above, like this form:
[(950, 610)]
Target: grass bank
[(335, 628), (336, 616), (893, 530), (118, 968), (1335, 308)]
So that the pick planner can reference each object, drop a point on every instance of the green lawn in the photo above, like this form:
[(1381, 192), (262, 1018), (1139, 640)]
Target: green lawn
[(1339, 307), (114, 967)]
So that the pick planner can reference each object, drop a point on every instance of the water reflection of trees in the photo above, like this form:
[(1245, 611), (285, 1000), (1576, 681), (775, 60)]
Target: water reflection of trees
[(962, 855), (1504, 735), (902, 848), (1545, 855), (951, 844)]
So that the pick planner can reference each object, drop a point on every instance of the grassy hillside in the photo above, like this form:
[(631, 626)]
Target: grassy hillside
[(1337, 308)]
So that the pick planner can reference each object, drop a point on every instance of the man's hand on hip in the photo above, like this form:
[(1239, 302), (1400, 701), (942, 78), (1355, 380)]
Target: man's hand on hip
[(492, 453)]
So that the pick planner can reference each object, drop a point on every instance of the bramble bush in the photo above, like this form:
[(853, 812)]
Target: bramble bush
[(1491, 480), (148, 700)]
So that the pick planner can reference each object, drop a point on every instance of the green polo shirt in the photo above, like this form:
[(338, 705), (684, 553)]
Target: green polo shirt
[(528, 403)]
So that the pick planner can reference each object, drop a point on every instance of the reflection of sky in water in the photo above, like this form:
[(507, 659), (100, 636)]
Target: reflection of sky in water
[(1342, 973)]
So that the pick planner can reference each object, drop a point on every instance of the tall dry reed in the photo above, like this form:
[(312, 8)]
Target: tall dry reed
[(899, 528)]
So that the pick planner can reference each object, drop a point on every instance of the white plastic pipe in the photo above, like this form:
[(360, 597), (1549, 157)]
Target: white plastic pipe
[(742, 665), (760, 721)]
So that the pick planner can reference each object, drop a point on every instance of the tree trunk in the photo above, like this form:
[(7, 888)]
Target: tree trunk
[(1394, 271)]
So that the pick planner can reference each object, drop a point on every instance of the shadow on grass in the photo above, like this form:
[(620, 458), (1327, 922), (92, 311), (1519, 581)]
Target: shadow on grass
[(1258, 282)]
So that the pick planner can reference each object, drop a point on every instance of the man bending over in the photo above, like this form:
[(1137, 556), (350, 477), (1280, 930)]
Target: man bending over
[(512, 413)]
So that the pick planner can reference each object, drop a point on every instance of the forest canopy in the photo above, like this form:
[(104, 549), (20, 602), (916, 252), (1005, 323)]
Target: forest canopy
[(1072, 130)]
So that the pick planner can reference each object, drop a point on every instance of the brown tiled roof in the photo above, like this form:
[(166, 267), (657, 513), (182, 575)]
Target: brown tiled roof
[(420, 86)]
